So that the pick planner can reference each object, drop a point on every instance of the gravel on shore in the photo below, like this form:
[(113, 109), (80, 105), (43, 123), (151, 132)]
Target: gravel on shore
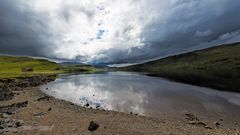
[(29, 111)]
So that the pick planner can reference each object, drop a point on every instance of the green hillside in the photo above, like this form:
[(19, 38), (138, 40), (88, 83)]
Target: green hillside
[(24, 66), (216, 67)]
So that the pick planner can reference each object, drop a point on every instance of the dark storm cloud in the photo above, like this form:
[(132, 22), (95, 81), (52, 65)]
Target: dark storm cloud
[(194, 24), (21, 31), (173, 27)]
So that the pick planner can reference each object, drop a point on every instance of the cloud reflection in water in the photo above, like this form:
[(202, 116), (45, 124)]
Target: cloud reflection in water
[(129, 92)]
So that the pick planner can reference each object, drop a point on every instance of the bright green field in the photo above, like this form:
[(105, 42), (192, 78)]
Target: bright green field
[(12, 66), (216, 67)]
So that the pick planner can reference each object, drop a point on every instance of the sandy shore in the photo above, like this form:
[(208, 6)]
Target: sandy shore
[(53, 116)]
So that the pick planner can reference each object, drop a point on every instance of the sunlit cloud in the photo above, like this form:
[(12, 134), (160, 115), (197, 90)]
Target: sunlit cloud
[(114, 32)]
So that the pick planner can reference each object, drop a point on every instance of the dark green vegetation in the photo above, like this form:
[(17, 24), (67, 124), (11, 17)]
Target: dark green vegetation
[(79, 68), (216, 67), (11, 67)]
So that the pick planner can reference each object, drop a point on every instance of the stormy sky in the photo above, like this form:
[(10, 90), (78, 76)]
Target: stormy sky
[(115, 31)]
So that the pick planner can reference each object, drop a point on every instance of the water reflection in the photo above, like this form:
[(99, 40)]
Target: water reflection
[(129, 92)]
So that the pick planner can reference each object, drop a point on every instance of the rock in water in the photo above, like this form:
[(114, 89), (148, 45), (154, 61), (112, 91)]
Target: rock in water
[(93, 126), (87, 105)]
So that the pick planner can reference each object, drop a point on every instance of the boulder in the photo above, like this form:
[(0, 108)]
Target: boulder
[(93, 126), (217, 124), (27, 69)]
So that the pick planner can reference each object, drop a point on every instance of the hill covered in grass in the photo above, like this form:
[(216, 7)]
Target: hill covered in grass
[(216, 67), (11, 67), (24, 66)]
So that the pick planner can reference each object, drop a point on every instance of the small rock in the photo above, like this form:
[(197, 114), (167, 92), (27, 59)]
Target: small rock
[(49, 109), (191, 117), (39, 114), (217, 123), (131, 113), (16, 93), (21, 104), (201, 123), (192, 122), (93, 126), (43, 98), (87, 105), (27, 69), (98, 106), (207, 127), (19, 123)]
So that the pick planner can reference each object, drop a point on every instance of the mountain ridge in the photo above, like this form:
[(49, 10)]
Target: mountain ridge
[(216, 67)]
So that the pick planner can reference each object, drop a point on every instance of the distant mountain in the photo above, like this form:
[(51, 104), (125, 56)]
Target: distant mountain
[(75, 64), (97, 65), (217, 67), (70, 63), (100, 65)]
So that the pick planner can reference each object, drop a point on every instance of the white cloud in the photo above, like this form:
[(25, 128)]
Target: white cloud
[(86, 28), (118, 31)]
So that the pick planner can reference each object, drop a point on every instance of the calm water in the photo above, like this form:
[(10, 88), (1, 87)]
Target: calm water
[(145, 95)]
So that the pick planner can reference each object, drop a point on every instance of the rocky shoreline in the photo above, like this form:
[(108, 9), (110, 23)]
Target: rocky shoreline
[(7, 86), (25, 109), (11, 87)]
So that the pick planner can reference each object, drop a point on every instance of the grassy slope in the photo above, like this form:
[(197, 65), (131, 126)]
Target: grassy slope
[(217, 67), (12, 66)]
